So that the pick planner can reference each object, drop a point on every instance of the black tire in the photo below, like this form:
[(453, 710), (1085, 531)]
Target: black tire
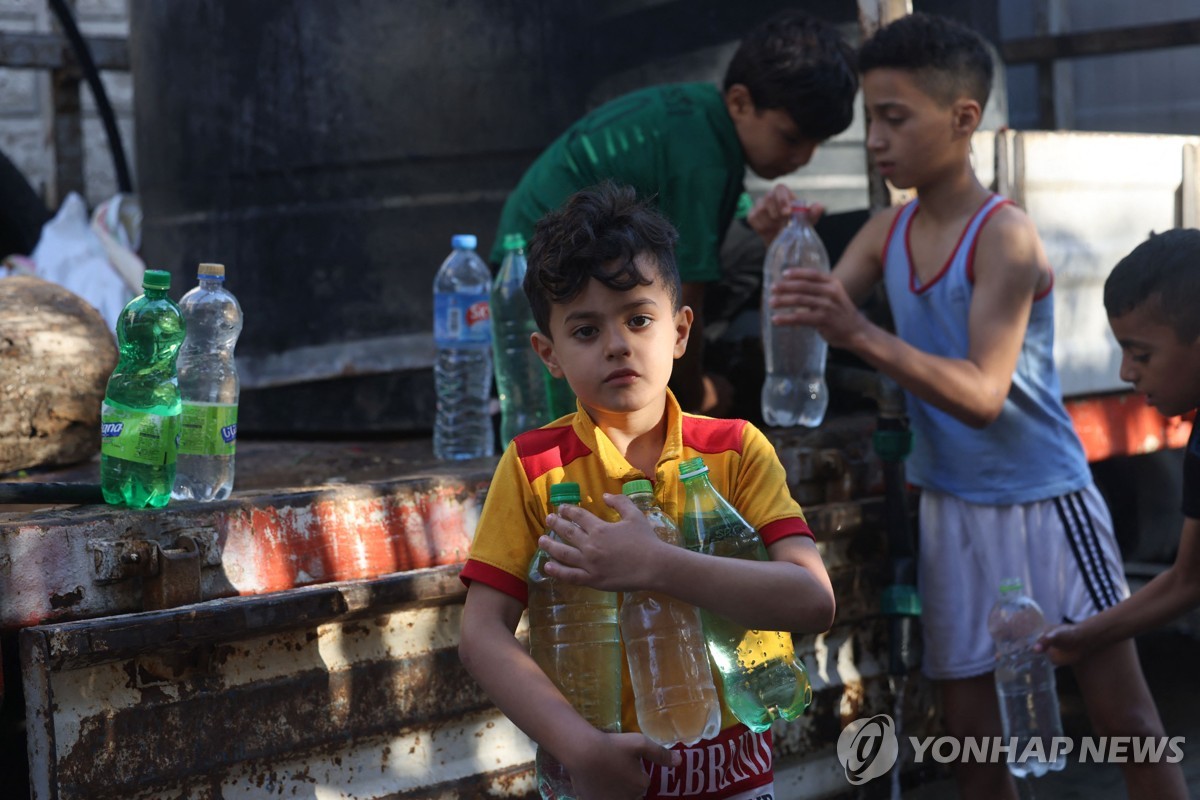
[(22, 212)]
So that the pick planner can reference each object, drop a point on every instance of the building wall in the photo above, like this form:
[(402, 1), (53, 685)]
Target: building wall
[(25, 103)]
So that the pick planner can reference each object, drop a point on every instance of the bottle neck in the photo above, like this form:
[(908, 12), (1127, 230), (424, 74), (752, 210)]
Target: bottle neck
[(154, 294), (212, 284)]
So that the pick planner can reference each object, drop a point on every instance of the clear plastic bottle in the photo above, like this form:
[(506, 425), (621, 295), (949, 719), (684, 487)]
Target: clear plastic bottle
[(1025, 682), (139, 420), (462, 369), (794, 392), (673, 688), (574, 636), (208, 383), (761, 676), (521, 377)]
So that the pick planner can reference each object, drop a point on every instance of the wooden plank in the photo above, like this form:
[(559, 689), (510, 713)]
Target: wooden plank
[(1181, 33)]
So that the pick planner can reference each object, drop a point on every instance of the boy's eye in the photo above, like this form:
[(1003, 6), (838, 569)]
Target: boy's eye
[(1139, 358), (584, 332), (640, 321)]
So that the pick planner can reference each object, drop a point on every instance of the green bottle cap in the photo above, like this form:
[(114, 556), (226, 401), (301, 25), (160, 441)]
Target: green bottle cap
[(639, 486), (156, 279), (513, 241), (691, 468), (566, 492), (1011, 586)]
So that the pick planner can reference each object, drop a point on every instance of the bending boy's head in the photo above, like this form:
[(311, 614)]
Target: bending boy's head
[(947, 60), (802, 66), (1161, 276), (598, 233)]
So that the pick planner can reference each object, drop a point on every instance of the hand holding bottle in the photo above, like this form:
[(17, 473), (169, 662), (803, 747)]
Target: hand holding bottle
[(809, 297), (614, 556), (770, 213), (608, 766)]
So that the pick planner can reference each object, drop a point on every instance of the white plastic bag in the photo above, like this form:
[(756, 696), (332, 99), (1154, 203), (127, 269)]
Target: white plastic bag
[(95, 261)]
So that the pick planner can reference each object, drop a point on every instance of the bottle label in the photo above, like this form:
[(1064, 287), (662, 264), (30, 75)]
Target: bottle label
[(138, 436), (461, 318), (208, 429)]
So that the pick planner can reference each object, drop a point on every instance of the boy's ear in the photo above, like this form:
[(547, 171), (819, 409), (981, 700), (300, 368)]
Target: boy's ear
[(738, 100), (967, 115), (544, 347), (683, 328)]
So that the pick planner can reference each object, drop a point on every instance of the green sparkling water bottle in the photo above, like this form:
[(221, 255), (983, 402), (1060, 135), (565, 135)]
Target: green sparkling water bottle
[(139, 421), (761, 676)]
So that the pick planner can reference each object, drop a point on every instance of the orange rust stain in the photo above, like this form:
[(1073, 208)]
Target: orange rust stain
[(1122, 424), (354, 538), (276, 567)]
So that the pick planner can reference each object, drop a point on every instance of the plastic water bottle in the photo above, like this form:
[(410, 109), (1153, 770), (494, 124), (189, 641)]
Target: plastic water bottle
[(574, 636), (762, 678), (139, 420), (208, 383), (1025, 683), (521, 377), (794, 392), (462, 370), (673, 688)]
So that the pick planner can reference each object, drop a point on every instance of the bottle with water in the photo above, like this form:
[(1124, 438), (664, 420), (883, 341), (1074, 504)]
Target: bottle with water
[(521, 377), (673, 688), (794, 392), (208, 382), (762, 678), (574, 637), (1025, 683), (462, 368), (139, 420)]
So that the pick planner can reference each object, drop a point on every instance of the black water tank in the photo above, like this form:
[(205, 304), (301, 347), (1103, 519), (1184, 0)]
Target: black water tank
[(326, 152)]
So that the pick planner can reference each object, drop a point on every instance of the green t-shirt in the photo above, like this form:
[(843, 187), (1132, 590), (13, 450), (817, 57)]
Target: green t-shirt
[(674, 143)]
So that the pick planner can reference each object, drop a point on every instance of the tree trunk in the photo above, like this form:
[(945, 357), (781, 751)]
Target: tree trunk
[(56, 353)]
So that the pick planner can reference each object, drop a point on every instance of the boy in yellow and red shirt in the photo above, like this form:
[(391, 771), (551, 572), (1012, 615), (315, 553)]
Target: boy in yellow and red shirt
[(605, 292)]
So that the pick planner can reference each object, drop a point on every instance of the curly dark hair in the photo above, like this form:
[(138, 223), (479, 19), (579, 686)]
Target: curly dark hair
[(948, 59), (802, 65), (1163, 270), (597, 233)]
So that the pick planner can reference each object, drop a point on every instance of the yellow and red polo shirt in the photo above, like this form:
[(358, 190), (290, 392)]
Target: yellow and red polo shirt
[(742, 466)]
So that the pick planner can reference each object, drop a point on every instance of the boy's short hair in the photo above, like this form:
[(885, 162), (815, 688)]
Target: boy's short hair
[(947, 59), (802, 65), (584, 237), (1163, 270)]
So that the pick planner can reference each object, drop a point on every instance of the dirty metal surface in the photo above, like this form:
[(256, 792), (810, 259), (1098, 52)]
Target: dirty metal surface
[(345, 689), (59, 564)]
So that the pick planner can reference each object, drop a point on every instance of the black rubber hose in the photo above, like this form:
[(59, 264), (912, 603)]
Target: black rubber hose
[(84, 55)]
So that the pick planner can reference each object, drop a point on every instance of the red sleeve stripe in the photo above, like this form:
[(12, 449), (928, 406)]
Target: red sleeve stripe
[(547, 448), (706, 435), (498, 579), (783, 528)]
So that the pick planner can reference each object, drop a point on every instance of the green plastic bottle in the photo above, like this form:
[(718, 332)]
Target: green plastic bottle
[(574, 636), (762, 678), (139, 421)]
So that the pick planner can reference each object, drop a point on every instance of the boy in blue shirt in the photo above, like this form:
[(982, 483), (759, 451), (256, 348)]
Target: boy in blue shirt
[(1006, 491)]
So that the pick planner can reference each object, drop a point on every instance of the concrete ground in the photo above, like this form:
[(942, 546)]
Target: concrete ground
[(1171, 661)]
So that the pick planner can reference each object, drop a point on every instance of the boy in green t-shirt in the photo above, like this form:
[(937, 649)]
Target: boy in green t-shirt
[(790, 85)]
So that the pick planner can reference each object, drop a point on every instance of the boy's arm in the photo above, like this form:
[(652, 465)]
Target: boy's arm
[(791, 592), (1170, 594), (602, 765), (1009, 262)]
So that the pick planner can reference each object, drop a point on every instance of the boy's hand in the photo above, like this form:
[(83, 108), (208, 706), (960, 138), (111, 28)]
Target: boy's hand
[(810, 297), (772, 211), (612, 769), (614, 556), (1065, 644)]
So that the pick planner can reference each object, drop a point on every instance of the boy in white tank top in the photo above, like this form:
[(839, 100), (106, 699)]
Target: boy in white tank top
[(1006, 491)]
